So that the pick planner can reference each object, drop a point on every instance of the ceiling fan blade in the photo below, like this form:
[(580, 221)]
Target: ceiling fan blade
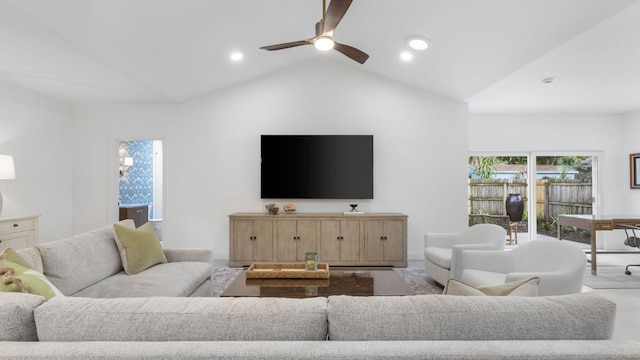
[(286, 45), (335, 12), (351, 52)]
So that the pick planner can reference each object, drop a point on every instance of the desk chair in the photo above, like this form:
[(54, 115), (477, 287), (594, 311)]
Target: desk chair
[(632, 241)]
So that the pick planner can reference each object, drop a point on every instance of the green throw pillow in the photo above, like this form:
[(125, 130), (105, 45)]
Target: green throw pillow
[(528, 287), (139, 248), (13, 266)]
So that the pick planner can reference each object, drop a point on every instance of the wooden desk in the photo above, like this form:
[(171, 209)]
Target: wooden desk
[(594, 223)]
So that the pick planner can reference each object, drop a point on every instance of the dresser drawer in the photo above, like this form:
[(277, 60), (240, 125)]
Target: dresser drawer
[(13, 225), (17, 240)]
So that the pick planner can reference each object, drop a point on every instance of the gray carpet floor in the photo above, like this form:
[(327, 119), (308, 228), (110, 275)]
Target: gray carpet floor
[(612, 277)]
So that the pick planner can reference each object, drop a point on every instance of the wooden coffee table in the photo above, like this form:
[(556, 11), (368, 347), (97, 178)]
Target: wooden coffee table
[(348, 281)]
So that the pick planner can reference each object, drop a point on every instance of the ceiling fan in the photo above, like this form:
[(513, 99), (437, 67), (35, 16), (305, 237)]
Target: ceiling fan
[(323, 40)]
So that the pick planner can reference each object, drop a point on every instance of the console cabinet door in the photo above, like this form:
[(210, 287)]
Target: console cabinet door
[(307, 232), (263, 241), (295, 238), (394, 244), (384, 240), (253, 240), (243, 240), (339, 240), (329, 240), (350, 243)]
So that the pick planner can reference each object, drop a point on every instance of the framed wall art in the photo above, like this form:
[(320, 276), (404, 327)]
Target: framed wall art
[(634, 170)]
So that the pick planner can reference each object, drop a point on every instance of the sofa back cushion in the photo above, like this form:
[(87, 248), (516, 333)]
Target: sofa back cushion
[(181, 319), (77, 262), (16, 316), (32, 256), (439, 317)]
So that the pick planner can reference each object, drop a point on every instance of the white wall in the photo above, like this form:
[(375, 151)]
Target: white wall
[(580, 133), (212, 151), (37, 132)]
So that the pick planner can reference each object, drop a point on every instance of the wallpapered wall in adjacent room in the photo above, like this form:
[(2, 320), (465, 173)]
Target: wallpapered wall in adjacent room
[(136, 183)]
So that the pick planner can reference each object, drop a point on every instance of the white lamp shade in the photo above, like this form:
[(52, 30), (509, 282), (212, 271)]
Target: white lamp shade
[(7, 170), (128, 161)]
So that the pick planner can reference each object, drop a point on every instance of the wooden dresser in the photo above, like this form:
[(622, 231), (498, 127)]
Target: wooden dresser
[(373, 239), (18, 232)]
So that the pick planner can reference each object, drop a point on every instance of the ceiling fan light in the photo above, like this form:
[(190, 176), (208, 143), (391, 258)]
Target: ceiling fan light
[(324, 43), (418, 43)]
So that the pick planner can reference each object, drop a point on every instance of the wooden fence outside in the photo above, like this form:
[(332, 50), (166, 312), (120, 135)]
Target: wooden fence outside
[(487, 196)]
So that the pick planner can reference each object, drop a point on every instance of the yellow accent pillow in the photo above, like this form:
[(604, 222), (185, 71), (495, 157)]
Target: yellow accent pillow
[(13, 267), (527, 287), (139, 248)]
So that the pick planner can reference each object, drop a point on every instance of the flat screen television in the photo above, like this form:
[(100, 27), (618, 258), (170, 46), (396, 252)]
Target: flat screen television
[(316, 167)]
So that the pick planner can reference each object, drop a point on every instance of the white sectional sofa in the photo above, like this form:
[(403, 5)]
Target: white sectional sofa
[(109, 315), (577, 326), (89, 265)]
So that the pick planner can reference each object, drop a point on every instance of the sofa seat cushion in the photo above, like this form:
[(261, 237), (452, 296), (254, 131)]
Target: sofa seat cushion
[(169, 279), (439, 256), (181, 319)]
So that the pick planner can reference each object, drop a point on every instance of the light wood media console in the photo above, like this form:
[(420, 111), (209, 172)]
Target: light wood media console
[(372, 239)]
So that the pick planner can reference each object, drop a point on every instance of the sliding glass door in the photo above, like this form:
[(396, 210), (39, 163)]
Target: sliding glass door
[(549, 184)]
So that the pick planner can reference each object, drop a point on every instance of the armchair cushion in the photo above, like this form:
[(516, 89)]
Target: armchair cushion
[(439, 256)]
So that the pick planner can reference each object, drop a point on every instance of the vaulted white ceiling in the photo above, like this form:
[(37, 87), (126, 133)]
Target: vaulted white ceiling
[(492, 54)]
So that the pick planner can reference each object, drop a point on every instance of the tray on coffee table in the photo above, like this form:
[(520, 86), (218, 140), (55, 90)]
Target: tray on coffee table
[(286, 271)]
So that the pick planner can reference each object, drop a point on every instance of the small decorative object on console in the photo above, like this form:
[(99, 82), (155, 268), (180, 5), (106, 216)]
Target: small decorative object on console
[(354, 210), (272, 208), (289, 208)]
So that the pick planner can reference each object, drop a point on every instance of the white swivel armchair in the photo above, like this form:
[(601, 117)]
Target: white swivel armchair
[(559, 265), (442, 250)]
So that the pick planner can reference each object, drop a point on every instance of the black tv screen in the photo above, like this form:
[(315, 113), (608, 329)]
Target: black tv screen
[(317, 167)]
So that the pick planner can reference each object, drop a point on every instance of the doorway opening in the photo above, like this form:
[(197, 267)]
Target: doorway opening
[(140, 182)]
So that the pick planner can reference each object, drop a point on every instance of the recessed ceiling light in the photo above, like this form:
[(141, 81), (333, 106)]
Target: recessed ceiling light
[(548, 80), (418, 43), (406, 56), (236, 56)]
